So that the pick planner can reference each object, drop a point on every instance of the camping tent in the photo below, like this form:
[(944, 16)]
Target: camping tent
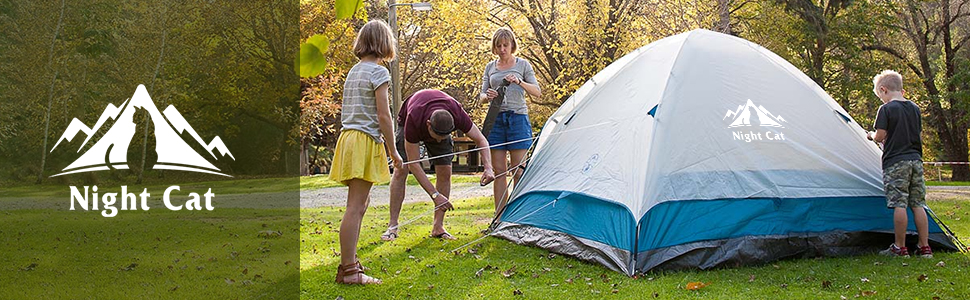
[(697, 151)]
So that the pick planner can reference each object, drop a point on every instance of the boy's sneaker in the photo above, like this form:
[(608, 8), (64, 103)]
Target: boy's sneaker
[(925, 252), (895, 251)]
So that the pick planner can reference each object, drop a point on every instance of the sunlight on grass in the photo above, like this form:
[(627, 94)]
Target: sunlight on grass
[(417, 267)]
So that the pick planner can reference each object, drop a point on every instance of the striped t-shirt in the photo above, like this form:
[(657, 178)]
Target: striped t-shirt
[(359, 111)]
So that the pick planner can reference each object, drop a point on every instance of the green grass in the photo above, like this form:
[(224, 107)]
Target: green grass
[(234, 186), (322, 181), (947, 183), (232, 252), (216, 254), (417, 267)]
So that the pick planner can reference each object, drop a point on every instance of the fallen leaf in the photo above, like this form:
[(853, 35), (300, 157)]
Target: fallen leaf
[(535, 275), (649, 278), (517, 292), (130, 267), (842, 297), (936, 298), (30, 267), (615, 291), (905, 265), (776, 266), (477, 273), (863, 279), (569, 280), (784, 285), (173, 288), (655, 294), (826, 284), (877, 263), (546, 269), (430, 286), (245, 271), (941, 264), (230, 281), (508, 273), (751, 279), (922, 277), (867, 293), (552, 255), (693, 286), (554, 285)]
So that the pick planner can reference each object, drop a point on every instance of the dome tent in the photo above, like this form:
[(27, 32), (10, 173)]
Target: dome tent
[(696, 151)]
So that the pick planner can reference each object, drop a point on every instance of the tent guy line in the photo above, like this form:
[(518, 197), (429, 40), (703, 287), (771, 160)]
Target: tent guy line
[(502, 144), (415, 218)]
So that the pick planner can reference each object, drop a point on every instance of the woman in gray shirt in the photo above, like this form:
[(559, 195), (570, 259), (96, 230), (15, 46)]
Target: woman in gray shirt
[(512, 124)]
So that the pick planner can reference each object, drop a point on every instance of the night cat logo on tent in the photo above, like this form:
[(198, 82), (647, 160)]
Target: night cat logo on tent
[(743, 118), (111, 150)]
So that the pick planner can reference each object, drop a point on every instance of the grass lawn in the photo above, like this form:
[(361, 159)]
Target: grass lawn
[(417, 267), (947, 183), (156, 254), (245, 248), (234, 186)]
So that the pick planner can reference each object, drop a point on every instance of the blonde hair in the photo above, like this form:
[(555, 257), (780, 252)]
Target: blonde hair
[(504, 33), (376, 39), (889, 79)]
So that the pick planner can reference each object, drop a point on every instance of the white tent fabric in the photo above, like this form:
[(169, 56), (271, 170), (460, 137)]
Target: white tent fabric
[(700, 116)]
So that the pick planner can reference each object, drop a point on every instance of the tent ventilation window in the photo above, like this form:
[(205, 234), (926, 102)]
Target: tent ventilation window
[(653, 111), (844, 117)]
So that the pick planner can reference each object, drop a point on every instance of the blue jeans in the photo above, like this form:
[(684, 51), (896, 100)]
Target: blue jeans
[(510, 126)]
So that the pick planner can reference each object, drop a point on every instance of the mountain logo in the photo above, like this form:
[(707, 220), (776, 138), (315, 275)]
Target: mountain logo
[(111, 150), (742, 116)]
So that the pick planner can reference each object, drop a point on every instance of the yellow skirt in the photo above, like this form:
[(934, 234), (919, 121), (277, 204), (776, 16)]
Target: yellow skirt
[(358, 156)]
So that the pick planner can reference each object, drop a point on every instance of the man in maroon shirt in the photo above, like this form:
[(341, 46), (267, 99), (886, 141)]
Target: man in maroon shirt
[(429, 117)]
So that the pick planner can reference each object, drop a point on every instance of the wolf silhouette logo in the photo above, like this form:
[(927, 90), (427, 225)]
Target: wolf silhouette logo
[(111, 150), (742, 116)]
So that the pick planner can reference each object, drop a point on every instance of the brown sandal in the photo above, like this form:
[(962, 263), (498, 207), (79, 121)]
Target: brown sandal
[(341, 271), (355, 269)]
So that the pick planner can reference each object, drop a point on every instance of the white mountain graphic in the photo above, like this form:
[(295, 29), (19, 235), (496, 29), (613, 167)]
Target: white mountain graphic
[(742, 116), (111, 151)]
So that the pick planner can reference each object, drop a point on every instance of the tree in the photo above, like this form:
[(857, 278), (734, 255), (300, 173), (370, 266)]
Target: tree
[(931, 37)]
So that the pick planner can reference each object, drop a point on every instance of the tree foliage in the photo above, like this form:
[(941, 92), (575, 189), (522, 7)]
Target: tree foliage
[(226, 66)]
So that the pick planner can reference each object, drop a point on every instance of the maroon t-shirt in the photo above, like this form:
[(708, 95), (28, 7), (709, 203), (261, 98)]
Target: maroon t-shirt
[(418, 108)]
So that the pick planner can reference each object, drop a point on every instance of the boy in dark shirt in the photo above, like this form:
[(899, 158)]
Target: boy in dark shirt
[(898, 128)]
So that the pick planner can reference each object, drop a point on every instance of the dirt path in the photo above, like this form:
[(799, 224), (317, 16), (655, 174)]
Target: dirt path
[(947, 192), (379, 194)]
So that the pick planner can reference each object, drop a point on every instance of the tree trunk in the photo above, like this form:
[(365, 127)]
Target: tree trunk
[(144, 145), (50, 96), (304, 162), (723, 16)]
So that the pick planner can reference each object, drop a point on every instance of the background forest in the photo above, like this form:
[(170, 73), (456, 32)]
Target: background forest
[(840, 44), (227, 66)]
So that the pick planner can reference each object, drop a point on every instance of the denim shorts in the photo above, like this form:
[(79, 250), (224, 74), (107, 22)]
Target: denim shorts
[(510, 126)]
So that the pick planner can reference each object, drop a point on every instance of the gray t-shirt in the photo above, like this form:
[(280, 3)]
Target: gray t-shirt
[(359, 109), (514, 94)]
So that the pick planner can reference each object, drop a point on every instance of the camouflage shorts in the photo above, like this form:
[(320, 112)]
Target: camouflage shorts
[(904, 184)]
